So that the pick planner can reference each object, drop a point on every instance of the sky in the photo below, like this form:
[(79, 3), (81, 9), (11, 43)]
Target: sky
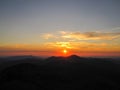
[(48, 27)]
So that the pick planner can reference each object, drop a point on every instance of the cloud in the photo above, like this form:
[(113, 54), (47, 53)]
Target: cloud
[(76, 45), (72, 36), (48, 36), (81, 46), (92, 35), (63, 32), (59, 45), (116, 29), (64, 44)]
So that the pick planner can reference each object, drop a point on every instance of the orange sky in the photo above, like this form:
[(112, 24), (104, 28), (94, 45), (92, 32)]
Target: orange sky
[(57, 49), (60, 53), (83, 44)]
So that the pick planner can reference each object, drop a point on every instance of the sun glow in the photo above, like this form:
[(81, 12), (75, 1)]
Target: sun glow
[(65, 51)]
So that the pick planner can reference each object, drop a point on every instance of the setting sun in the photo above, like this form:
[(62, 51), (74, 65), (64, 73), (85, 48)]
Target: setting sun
[(65, 51)]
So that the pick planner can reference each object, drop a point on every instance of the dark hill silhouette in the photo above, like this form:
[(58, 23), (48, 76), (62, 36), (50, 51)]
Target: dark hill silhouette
[(75, 57), (61, 73)]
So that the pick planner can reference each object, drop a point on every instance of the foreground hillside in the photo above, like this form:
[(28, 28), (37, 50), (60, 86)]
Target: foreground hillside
[(59, 73)]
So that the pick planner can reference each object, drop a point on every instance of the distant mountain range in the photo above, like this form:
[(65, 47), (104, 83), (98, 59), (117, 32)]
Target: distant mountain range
[(59, 73)]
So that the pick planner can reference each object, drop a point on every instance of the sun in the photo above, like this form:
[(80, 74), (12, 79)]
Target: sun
[(65, 51)]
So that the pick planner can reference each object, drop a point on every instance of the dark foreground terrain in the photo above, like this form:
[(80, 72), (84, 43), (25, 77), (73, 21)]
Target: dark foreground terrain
[(59, 73)]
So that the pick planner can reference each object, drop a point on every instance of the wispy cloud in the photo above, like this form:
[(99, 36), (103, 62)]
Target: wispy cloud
[(85, 41), (84, 46), (52, 47), (116, 29), (92, 35), (71, 36), (48, 36), (74, 41)]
